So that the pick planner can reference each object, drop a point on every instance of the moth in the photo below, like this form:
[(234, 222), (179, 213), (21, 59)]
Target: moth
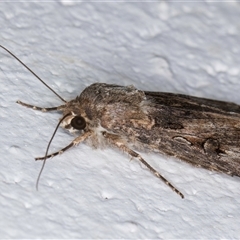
[(199, 131)]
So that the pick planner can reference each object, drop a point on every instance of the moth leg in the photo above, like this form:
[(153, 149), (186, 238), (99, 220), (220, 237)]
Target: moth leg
[(40, 108), (115, 140), (76, 141)]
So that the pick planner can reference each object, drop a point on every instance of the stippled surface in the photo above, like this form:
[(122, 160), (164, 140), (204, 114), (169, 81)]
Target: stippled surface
[(190, 48)]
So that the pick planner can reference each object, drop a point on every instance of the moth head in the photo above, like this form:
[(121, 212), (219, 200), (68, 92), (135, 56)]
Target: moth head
[(74, 123)]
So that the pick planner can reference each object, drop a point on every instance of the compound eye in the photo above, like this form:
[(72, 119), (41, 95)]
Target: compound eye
[(78, 122)]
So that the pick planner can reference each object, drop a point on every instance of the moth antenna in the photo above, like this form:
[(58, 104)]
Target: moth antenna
[(45, 157), (32, 72)]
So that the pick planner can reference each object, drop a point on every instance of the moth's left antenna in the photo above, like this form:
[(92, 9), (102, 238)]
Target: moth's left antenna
[(32, 72)]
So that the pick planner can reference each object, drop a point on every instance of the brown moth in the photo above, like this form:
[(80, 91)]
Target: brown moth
[(202, 132)]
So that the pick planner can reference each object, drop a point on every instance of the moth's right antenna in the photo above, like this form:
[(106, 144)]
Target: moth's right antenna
[(32, 72), (45, 157)]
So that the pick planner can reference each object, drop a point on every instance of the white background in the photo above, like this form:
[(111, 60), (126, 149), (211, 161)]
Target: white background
[(183, 47)]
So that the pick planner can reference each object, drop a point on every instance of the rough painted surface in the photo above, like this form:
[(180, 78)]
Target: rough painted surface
[(190, 48)]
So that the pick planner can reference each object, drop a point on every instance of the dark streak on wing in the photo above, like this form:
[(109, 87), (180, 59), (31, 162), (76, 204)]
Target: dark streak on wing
[(195, 103)]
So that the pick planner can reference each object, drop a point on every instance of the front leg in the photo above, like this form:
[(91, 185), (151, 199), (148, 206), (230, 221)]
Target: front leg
[(40, 108), (118, 142), (76, 141)]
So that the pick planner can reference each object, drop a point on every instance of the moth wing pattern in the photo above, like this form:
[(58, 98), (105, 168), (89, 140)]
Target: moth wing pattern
[(202, 132)]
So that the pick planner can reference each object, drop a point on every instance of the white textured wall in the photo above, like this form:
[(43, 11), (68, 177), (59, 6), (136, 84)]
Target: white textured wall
[(190, 48)]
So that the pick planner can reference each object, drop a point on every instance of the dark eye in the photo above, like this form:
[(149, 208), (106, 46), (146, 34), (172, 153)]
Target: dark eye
[(78, 122)]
